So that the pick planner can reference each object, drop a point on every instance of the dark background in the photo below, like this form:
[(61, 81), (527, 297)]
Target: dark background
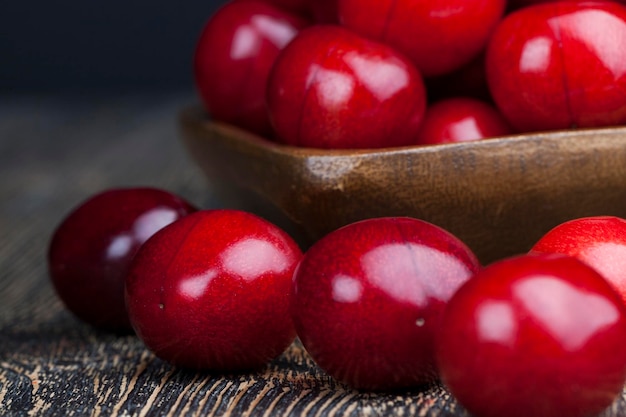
[(87, 46)]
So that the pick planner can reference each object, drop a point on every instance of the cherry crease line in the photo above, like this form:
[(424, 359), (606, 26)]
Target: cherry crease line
[(391, 11), (564, 80)]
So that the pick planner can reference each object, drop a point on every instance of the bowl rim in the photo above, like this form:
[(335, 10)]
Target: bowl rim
[(194, 114)]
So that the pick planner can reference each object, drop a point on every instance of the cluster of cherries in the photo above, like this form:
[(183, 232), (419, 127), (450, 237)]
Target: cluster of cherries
[(381, 304), (386, 303), (384, 73)]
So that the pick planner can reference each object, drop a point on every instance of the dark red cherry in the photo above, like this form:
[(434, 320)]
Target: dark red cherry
[(212, 291), (438, 36), (233, 58), (535, 335), (368, 299), (91, 250), (331, 88), (461, 119), (560, 65)]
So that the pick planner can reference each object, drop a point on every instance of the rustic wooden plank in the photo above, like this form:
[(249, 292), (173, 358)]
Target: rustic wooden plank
[(53, 154)]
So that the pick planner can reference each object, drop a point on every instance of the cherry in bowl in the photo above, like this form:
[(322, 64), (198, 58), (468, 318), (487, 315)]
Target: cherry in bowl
[(212, 291), (438, 36), (91, 250), (461, 119), (368, 297), (331, 88), (233, 58), (560, 65)]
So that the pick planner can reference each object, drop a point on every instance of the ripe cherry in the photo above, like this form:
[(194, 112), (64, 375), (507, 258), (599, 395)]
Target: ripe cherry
[(91, 250), (459, 120), (535, 335), (331, 88), (438, 36), (233, 57), (560, 65), (212, 291), (368, 299), (599, 241)]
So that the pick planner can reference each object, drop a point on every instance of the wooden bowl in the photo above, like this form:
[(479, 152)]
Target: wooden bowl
[(498, 195)]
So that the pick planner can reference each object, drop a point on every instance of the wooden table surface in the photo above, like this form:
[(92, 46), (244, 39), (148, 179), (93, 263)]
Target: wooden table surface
[(55, 152)]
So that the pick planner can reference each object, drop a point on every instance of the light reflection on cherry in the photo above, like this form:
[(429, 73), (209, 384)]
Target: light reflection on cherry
[(331, 88), (547, 330), (212, 291), (91, 250), (368, 299)]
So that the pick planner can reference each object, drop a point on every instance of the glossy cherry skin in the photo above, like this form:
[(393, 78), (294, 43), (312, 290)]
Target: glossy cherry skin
[(233, 57), (599, 241), (560, 65), (331, 88), (460, 120), (438, 36), (534, 335), (91, 250), (212, 291), (368, 299)]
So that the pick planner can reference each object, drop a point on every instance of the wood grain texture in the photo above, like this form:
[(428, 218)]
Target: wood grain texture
[(53, 154), (499, 196)]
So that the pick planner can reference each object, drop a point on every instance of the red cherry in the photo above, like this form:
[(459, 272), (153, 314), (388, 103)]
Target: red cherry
[(368, 299), (91, 250), (560, 65), (460, 120), (598, 241), (539, 336), (438, 36), (331, 88), (212, 291), (233, 58)]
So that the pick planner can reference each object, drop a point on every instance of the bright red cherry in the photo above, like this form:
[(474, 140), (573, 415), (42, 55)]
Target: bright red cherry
[(331, 88), (560, 65), (438, 36), (460, 120), (539, 336), (599, 241), (212, 291), (368, 299), (233, 58), (91, 250)]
